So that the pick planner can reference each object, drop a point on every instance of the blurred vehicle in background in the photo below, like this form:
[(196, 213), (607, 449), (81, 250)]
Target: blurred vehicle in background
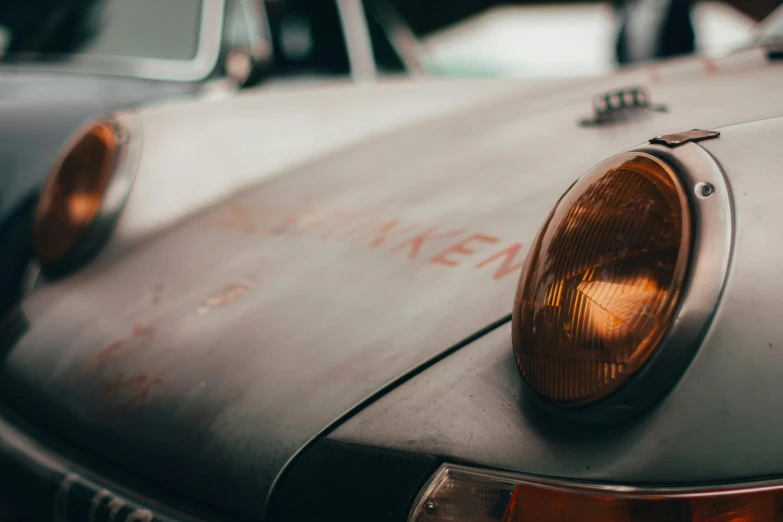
[(548, 40), (64, 63), (653, 30)]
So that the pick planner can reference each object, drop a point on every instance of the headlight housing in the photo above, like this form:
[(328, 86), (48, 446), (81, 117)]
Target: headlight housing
[(621, 282), (84, 193), (72, 196), (603, 280)]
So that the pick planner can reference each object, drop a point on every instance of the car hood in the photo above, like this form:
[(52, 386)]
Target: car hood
[(39, 111), (207, 357), (21, 83)]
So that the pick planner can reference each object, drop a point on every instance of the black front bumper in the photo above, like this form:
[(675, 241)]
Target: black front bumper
[(39, 484)]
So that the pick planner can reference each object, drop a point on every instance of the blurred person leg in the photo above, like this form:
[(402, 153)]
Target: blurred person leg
[(653, 29)]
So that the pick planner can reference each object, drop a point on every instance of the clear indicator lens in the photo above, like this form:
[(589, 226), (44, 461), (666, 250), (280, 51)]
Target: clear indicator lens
[(459, 494)]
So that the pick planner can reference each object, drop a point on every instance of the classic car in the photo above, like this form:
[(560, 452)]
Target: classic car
[(65, 63), (446, 320)]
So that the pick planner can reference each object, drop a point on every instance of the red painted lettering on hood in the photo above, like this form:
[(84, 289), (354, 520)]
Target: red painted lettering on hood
[(415, 243), (452, 247)]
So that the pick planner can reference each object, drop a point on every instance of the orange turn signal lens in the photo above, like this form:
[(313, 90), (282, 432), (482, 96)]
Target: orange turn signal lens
[(603, 280), (73, 195), (461, 494), (529, 504)]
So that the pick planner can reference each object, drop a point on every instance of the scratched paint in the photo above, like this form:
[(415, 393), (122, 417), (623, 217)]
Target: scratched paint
[(126, 390), (408, 240), (140, 334), (130, 390), (225, 296)]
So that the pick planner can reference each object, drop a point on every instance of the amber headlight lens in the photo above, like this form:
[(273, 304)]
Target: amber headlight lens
[(72, 197), (602, 281)]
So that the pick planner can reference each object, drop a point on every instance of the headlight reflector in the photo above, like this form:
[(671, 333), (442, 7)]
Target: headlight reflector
[(74, 192), (602, 281)]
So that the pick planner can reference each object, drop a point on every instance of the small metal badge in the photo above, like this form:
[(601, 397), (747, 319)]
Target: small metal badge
[(621, 105), (675, 140)]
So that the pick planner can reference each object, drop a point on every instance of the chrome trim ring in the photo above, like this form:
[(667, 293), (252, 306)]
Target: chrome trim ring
[(712, 216)]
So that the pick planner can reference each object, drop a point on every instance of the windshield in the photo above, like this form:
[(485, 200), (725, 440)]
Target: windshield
[(55, 30)]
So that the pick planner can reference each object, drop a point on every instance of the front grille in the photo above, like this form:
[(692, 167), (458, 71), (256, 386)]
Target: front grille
[(39, 485)]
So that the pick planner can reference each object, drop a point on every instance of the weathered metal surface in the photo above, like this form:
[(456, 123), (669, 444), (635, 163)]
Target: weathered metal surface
[(230, 144), (38, 114), (681, 138), (722, 421), (364, 265)]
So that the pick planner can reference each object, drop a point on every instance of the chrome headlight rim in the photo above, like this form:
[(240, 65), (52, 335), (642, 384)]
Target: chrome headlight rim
[(128, 132), (712, 216)]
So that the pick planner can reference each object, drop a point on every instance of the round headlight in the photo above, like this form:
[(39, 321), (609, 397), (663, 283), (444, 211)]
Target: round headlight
[(602, 281), (74, 192)]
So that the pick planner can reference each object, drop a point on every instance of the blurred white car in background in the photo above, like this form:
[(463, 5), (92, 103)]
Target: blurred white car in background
[(562, 40)]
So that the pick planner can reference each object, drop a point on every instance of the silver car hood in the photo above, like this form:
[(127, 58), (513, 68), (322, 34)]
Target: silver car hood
[(206, 357)]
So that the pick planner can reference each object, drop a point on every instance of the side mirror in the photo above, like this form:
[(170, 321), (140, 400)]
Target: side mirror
[(247, 67)]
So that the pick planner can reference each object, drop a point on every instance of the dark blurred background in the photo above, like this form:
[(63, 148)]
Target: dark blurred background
[(487, 37)]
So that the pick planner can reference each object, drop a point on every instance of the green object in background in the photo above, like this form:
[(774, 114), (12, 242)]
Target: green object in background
[(457, 68)]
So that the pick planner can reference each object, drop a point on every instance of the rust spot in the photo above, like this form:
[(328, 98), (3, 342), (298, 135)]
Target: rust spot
[(140, 332), (104, 353), (225, 296), (710, 65), (655, 76), (238, 219), (291, 221), (131, 390)]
